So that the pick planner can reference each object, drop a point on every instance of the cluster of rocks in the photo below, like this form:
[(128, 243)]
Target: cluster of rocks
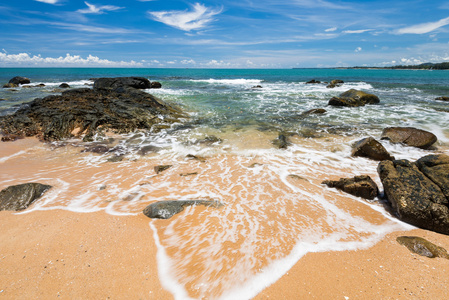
[(418, 192), (114, 104), (16, 81), (330, 85)]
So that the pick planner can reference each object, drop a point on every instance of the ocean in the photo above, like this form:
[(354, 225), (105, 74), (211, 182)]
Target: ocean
[(276, 209)]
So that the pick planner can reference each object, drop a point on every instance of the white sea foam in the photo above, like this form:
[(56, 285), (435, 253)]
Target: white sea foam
[(5, 158), (240, 81)]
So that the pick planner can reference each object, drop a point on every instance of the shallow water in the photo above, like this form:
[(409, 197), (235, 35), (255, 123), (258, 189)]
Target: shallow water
[(276, 209)]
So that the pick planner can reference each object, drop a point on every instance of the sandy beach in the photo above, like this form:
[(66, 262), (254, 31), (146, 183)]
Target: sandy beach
[(56, 253)]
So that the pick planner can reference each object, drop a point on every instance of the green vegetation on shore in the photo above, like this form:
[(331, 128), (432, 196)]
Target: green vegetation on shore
[(424, 66)]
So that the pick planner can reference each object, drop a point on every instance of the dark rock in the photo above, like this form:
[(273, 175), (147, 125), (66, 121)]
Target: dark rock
[(20, 80), (315, 111), (167, 209), (114, 83), (89, 111), (442, 98), (115, 158), (335, 83), (281, 142), (96, 148), (354, 98), (195, 157), (370, 148), (436, 168), (155, 85), (162, 168), (19, 197), (257, 87), (360, 186), (10, 85), (64, 85), (415, 198), (313, 81), (188, 174), (422, 247), (409, 136)]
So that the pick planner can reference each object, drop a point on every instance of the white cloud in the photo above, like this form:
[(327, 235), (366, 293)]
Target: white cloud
[(358, 49), (195, 19), (25, 59), (94, 9), (48, 1), (357, 31), (424, 27), (332, 29), (188, 62)]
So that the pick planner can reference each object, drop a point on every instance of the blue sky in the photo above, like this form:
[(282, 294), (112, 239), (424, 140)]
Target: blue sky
[(222, 34)]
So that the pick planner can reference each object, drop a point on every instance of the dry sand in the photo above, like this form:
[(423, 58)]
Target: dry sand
[(56, 253)]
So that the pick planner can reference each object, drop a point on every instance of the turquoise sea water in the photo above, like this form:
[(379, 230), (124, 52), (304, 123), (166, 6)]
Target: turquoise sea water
[(276, 209)]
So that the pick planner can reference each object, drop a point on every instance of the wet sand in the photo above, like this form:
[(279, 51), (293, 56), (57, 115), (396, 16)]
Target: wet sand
[(49, 252), (56, 253)]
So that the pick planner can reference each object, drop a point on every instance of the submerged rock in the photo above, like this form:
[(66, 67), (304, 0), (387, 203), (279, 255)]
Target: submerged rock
[(88, 111), (370, 148), (19, 197), (313, 81), (162, 168), (155, 85), (422, 247), (416, 198), (360, 186), (409, 136), (443, 98), (167, 209), (281, 142), (335, 83), (19, 80), (64, 85), (354, 98), (10, 85), (315, 111)]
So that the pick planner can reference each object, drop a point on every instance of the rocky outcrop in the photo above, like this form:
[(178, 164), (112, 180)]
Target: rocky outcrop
[(354, 98), (313, 81), (335, 83), (19, 197), (114, 83), (155, 85), (416, 197), (370, 148), (360, 186), (422, 247), (19, 80), (409, 136), (167, 209), (87, 111)]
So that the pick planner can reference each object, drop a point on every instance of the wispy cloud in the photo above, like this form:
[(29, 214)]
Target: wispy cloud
[(89, 28), (26, 59), (331, 29), (94, 9), (424, 27), (48, 1), (197, 18), (357, 31)]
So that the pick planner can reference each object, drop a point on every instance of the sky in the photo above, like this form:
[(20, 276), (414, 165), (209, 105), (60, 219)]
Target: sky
[(222, 34)]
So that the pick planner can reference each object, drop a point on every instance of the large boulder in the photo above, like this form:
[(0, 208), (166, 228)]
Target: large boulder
[(354, 98), (409, 136), (167, 209), (114, 83), (415, 198), (360, 186), (442, 98), (370, 148), (19, 197), (84, 112), (436, 168), (19, 80)]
